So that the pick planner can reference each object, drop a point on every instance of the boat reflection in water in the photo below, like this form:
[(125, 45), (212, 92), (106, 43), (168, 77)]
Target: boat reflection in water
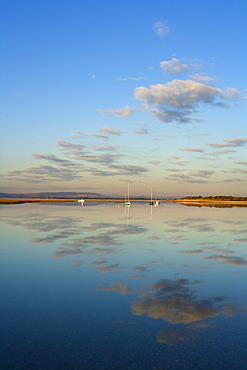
[(92, 290), (81, 201), (127, 201)]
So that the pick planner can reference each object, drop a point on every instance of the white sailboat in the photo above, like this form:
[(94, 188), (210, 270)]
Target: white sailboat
[(81, 201), (127, 202)]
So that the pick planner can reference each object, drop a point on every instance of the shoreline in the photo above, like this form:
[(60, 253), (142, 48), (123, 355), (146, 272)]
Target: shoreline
[(9, 201)]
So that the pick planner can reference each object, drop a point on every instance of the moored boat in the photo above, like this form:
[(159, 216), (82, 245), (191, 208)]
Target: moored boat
[(127, 202)]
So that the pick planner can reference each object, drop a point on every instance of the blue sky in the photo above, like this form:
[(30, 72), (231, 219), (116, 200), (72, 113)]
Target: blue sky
[(96, 94)]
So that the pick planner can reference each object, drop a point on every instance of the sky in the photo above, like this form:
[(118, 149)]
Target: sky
[(99, 94)]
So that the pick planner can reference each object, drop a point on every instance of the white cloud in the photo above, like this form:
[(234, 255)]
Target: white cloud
[(201, 77), (161, 28), (230, 143), (121, 112), (105, 148), (176, 66), (109, 131), (231, 93), (53, 159), (42, 174), (173, 66), (244, 163), (178, 99), (130, 78), (178, 93), (76, 132), (154, 162), (191, 150), (224, 151), (142, 131)]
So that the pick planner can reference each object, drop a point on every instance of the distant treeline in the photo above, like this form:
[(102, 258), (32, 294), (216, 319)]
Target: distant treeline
[(217, 197), (214, 205)]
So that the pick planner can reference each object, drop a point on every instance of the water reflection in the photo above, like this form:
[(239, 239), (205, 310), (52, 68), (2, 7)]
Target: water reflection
[(177, 274), (175, 302)]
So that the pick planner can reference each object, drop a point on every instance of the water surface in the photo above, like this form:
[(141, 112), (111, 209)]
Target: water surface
[(106, 287)]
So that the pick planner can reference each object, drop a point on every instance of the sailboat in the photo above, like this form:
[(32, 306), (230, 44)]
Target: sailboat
[(151, 199), (127, 202)]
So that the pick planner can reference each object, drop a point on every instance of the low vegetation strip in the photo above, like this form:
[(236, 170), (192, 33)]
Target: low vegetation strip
[(21, 201), (225, 198)]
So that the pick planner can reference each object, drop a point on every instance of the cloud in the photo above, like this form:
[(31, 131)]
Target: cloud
[(43, 173), (201, 77), (119, 288), (128, 169), (171, 136), (105, 158), (126, 230), (154, 162), (139, 268), (244, 163), (219, 250), (61, 252), (106, 132), (176, 115), (142, 131), (224, 151), (244, 240), (227, 260), (174, 169), (76, 132), (203, 173), (100, 136), (193, 251), (105, 148), (99, 240), (174, 302), (178, 99), (241, 141), (181, 163), (231, 93), (107, 268), (122, 112), (191, 150), (233, 179), (65, 145), (130, 78), (178, 93), (51, 238), (171, 336), (186, 178), (173, 66), (109, 131), (119, 169), (95, 263), (161, 28), (139, 123), (53, 159)]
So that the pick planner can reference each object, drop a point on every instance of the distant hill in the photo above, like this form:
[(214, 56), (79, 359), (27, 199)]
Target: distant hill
[(52, 195)]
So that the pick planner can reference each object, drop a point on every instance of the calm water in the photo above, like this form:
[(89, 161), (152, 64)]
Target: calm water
[(105, 287)]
